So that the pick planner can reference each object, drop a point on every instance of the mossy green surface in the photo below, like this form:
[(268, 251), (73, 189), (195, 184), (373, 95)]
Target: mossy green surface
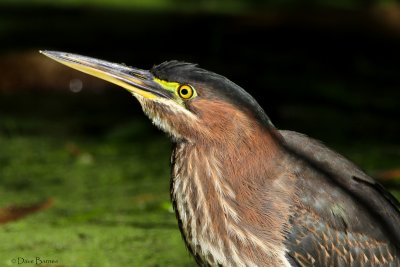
[(111, 197)]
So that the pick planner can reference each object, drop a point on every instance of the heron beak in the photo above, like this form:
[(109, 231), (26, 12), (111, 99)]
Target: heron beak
[(139, 82)]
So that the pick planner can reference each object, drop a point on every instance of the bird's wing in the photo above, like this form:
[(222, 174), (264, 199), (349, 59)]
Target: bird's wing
[(343, 216)]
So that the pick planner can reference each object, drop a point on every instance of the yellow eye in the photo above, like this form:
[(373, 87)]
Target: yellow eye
[(185, 91)]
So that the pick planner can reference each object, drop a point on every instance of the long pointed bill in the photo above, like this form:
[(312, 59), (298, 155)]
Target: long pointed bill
[(137, 81)]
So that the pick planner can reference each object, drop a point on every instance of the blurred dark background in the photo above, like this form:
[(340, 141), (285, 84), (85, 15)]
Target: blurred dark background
[(329, 69), (338, 57)]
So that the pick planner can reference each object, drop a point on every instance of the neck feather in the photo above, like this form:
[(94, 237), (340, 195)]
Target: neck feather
[(232, 199)]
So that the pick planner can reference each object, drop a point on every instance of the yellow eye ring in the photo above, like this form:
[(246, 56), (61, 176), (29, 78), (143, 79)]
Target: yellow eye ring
[(185, 91)]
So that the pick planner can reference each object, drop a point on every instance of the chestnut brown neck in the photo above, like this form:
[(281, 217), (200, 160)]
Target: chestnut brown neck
[(215, 189)]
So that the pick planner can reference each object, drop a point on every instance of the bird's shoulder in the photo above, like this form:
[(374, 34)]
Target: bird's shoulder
[(339, 206), (315, 152), (338, 169)]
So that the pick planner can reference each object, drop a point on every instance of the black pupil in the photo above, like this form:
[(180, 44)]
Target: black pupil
[(184, 91)]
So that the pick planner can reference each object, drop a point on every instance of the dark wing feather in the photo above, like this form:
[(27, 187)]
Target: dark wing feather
[(343, 215)]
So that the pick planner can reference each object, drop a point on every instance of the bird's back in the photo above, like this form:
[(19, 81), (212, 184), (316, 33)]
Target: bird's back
[(342, 217)]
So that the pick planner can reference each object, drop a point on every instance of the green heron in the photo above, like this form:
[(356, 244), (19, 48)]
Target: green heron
[(246, 193)]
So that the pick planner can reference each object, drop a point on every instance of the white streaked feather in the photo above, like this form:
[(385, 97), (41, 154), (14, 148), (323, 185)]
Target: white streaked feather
[(203, 235)]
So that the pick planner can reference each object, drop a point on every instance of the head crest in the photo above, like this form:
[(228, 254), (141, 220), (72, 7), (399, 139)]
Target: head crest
[(183, 72)]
